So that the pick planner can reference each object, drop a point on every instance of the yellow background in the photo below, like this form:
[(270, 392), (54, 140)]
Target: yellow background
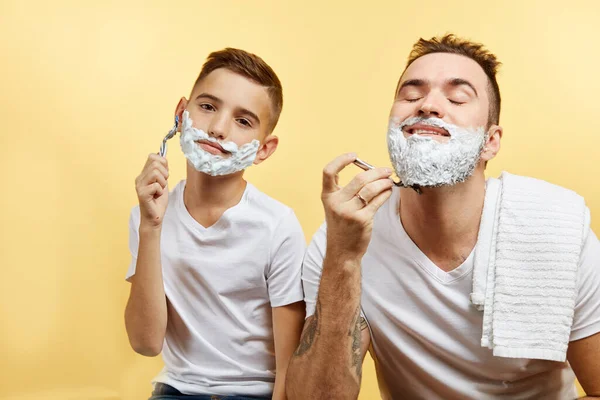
[(88, 89)]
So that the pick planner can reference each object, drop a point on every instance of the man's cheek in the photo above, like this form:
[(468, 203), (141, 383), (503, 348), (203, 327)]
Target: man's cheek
[(400, 111)]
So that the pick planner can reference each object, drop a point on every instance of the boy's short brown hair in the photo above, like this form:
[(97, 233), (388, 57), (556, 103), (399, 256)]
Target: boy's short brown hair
[(249, 66)]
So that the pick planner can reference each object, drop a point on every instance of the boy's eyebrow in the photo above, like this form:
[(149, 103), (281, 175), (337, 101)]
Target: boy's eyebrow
[(250, 114), (209, 96), (240, 109)]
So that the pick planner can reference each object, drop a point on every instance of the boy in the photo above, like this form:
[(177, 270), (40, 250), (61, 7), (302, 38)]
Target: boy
[(215, 270)]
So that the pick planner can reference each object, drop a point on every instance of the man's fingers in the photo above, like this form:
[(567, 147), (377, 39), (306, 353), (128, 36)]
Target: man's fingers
[(363, 179), (373, 189), (332, 169), (378, 201)]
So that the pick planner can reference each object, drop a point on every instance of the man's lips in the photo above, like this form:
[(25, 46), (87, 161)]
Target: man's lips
[(424, 129), (212, 147)]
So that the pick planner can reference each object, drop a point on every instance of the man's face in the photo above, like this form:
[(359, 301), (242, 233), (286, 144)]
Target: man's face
[(447, 86), (229, 107), (438, 133)]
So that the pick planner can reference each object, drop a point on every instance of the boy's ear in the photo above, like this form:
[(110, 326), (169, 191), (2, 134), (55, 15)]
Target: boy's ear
[(181, 106), (266, 149)]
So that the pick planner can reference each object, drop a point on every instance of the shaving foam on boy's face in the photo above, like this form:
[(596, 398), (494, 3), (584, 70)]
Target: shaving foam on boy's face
[(421, 160), (237, 159)]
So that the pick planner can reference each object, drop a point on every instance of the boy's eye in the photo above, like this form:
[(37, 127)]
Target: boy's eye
[(413, 99), (244, 122), (458, 103), (207, 107)]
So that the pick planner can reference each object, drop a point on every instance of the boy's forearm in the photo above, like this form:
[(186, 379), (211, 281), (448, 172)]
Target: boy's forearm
[(279, 388), (288, 321), (146, 312), (327, 363)]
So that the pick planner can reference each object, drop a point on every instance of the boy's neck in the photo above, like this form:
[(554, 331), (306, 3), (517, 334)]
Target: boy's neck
[(207, 197)]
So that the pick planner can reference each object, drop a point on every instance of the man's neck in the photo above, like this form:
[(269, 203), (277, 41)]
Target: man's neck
[(444, 222), (208, 197)]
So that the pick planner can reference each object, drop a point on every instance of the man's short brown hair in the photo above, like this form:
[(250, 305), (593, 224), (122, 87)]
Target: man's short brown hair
[(476, 52), (249, 66)]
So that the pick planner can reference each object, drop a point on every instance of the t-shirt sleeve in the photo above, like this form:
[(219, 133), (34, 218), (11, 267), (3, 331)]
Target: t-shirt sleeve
[(134, 240), (283, 274), (586, 321), (312, 268)]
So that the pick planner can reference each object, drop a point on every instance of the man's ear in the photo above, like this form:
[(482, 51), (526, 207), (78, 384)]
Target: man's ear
[(266, 149), (181, 106), (492, 146)]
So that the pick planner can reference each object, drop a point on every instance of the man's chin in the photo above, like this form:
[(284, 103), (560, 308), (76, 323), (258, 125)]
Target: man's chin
[(428, 184)]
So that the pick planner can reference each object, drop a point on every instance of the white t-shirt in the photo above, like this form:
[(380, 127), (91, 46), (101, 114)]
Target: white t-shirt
[(221, 283), (425, 333)]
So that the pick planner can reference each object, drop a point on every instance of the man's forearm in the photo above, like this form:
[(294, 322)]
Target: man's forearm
[(328, 361), (146, 311)]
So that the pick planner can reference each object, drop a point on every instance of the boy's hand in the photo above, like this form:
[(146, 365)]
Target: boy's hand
[(152, 191)]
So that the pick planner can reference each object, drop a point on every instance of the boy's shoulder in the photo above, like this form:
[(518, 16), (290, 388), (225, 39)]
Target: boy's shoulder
[(261, 201)]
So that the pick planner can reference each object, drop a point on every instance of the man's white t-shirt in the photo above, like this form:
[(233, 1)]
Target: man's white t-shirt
[(425, 333), (221, 283)]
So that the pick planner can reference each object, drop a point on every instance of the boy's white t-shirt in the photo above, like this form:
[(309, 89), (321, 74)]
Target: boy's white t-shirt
[(425, 333), (221, 283)]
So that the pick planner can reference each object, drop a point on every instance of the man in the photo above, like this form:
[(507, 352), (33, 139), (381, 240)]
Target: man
[(215, 269), (436, 252)]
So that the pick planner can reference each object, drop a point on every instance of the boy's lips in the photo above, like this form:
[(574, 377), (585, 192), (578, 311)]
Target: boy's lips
[(212, 147)]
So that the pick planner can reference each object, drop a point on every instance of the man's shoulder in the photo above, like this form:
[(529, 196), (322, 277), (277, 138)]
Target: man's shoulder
[(533, 185), (548, 195)]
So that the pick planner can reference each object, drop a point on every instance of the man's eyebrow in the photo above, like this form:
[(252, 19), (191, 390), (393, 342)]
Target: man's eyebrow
[(413, 82), (461, 82)]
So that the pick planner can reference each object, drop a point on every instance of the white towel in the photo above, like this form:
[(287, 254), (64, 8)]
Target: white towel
[(525, 275)]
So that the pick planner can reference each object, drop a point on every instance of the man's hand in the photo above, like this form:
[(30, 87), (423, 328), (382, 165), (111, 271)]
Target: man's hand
[(152, 191), (349, 210), (328, 362)]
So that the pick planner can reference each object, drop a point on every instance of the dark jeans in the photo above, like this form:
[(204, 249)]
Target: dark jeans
[(163, 391)]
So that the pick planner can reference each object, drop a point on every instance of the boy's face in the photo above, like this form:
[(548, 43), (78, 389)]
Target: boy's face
[(231, 108)]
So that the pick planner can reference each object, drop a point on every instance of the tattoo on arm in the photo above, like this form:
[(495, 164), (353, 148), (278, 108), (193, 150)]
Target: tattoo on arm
[(363, 323), (355, 333), (309, 333)]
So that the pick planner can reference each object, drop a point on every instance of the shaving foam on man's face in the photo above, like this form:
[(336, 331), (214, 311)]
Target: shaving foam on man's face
[(421, 160), (238, 158)]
